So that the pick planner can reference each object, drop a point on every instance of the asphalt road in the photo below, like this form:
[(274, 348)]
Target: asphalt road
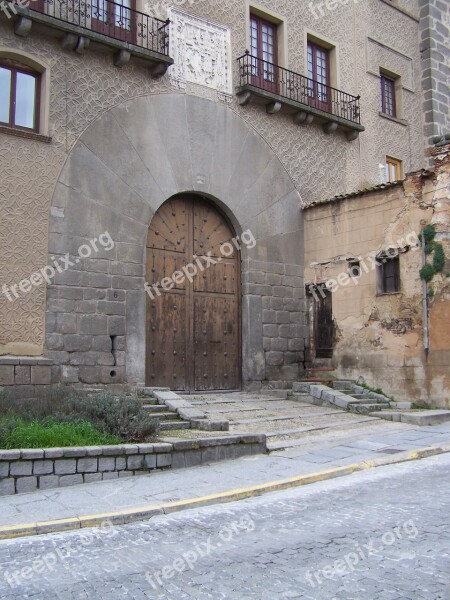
[(382, 534)]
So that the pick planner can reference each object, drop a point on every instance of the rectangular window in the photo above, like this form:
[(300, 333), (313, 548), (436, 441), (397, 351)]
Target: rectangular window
[(388, 275), (319, 75), (19, 95), (388, 104), (393, 169), (264, 51)]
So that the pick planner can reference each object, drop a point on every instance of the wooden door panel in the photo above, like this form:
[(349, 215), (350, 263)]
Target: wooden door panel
[(219, 278), (169, 227), (216, 337), (162, 265), (211, 231), (324, 327), (193, 329), (166, 341)]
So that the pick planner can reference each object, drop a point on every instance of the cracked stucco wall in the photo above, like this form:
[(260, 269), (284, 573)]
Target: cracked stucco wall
[(380, 337)]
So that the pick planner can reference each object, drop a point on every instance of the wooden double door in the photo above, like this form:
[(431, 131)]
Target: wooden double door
[(193, 302)]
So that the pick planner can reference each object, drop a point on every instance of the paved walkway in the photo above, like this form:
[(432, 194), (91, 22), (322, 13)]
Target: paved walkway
[(171, 486)]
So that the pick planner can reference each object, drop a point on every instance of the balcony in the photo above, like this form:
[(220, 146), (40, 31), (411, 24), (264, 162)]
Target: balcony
[(125, 30), (305, 98)]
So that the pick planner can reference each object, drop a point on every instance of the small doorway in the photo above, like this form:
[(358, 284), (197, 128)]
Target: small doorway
[(321, 314), (193, 298)]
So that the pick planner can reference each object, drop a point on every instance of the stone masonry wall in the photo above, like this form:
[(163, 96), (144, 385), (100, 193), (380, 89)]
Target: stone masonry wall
[(24, 471), (435, 59)]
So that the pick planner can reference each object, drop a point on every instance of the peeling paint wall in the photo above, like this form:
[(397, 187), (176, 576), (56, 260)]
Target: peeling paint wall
[(380, 337)]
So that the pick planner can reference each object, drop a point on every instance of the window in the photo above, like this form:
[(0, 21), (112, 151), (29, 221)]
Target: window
[(354, 268), (388, 275), (264, 50), (319, 72), (388, 104), (115, 19), (19, 96), (393, 169)]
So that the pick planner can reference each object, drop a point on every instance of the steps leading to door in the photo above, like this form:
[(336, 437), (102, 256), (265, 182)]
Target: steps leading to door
[(354, 398)]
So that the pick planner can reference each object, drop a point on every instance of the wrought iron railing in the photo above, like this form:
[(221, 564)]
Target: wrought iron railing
[(115, 20), (292, 86)]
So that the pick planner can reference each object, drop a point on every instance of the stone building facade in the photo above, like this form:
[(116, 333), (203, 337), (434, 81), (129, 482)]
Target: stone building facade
[(135, 113)]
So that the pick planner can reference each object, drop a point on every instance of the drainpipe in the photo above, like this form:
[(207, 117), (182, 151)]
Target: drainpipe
[(426, 337)]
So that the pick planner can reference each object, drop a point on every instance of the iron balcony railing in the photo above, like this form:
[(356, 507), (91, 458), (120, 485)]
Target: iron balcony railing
[(286, 84), (115, 20)]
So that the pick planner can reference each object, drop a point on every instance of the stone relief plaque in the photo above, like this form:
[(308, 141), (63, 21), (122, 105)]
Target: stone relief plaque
[(202, 53)]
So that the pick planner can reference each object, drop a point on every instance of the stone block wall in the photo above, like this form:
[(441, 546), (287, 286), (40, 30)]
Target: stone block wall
[(24, 471), (435, 54), (27, 376), (280, 290)]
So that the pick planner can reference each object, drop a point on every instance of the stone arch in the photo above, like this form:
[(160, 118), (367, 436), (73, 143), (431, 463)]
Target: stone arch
[(122, 169)]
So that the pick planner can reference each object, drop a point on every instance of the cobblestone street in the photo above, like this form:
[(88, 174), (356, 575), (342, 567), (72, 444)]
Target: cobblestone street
[(377, 535)]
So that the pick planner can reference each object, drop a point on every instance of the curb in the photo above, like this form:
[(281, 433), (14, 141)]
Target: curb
[(124, 517)]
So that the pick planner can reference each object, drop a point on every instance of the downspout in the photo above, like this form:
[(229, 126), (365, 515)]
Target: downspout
[(426, 337)]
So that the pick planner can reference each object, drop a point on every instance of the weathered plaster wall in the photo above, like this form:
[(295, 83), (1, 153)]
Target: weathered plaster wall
[(380, 338)]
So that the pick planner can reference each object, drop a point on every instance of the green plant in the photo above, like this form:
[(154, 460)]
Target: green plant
[(430, 292), (119, 416), (428, 271), (371, 389), (123, 416), (18, 433)]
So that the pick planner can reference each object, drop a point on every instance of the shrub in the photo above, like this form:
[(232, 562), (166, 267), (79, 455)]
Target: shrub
[(123, 416), (119, 416)]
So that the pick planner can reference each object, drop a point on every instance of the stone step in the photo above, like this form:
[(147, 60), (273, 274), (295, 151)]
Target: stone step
[(168, 426), (341, 385), (149, 401), (301, 398), (156, 408), (148, 391), (364, 408), (278, 394), (402, 405), (421, 418), (164, 416)]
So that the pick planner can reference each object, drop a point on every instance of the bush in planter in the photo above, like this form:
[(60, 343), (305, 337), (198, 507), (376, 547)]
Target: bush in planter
[(123, 416), (120, 416)]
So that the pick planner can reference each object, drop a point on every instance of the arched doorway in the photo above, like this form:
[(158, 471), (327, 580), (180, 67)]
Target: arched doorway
[(193, 303)]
